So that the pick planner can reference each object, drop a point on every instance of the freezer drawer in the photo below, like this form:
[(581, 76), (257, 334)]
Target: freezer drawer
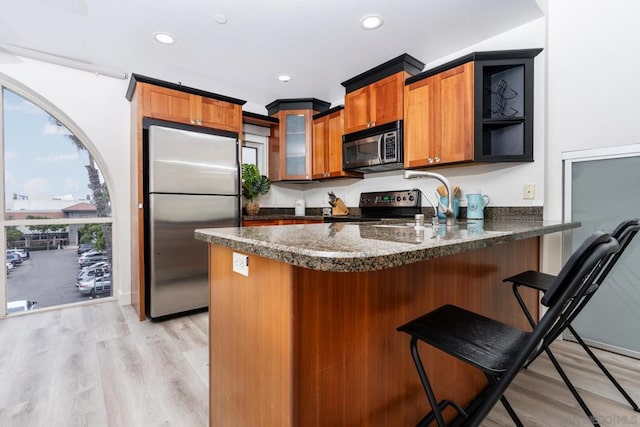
[(187, 162), (178, 277)]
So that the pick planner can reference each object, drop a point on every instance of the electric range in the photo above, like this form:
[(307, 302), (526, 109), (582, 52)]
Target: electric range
[(380, 205)]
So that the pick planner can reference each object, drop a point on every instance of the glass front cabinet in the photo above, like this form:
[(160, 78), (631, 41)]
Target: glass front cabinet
[(290, 149)]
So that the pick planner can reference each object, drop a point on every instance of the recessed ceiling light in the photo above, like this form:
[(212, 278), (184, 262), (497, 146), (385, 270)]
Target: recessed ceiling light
[(371, 22), (284, 78), (164, 38), (220, 18)]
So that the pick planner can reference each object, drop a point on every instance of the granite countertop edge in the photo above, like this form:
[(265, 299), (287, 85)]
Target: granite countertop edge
[(374, 259)]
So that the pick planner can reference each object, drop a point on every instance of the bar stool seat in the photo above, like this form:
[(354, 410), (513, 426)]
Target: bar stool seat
[(470, 337)]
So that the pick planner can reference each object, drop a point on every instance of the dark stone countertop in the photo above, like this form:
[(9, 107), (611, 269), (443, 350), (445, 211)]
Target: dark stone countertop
[(351, 247)]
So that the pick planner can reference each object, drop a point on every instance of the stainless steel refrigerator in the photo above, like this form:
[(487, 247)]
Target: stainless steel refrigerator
[(193, 181)]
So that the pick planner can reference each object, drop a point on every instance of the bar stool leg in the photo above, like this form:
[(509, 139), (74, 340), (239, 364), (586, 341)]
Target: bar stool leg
[(505, 403), (425, 383), (604, 369)]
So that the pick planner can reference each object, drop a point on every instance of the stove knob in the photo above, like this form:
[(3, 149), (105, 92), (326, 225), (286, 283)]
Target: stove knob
[(404, 198), (411, 198), (398, 198)]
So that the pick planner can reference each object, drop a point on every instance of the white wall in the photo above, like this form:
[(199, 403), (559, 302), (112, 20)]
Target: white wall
[(593, 58), (98, 107), (502, 182)]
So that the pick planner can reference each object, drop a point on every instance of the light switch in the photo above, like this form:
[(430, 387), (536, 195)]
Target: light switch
[(529, 192)]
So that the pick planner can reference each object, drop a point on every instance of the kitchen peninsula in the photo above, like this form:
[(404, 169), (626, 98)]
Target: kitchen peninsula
[(308, 336)]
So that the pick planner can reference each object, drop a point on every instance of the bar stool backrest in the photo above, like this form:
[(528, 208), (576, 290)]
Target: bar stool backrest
[(563, 296), (625, 232)]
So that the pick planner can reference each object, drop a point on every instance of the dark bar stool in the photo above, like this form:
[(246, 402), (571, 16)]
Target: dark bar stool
[(624, 233), (500, 351)]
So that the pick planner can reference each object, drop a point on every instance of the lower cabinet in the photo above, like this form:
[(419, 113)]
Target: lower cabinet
[(263, 222)]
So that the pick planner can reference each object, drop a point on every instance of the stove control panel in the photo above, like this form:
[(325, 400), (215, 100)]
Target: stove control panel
[(391, 199)]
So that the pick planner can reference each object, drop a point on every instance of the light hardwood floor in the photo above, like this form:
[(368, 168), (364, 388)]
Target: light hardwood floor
[(98, 365)]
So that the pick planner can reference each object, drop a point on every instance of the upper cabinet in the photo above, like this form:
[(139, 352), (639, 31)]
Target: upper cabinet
[(328, 128), (438, 126), (477, 108), (175, 103), (375, 97), (290, 150)]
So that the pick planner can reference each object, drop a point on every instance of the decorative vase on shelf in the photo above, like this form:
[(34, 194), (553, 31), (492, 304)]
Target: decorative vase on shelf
[(252, 207)]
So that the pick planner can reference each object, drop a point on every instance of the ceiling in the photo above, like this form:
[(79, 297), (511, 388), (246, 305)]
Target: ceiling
[(319, 43)]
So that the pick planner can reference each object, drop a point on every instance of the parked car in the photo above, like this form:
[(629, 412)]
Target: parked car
[(96, 286), (14, 258), (21, 305), (91, 252), (84, 247), (91, 260), (101, 268), (24, 253)]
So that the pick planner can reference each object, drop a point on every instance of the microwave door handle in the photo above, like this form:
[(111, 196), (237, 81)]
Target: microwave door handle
[(380, 148)]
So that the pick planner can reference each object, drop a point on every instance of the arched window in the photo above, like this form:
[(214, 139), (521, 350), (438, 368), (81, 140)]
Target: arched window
[(56, 217)]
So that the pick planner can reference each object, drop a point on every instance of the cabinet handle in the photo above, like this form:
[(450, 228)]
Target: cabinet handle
[(193, 122), (430, 160), (437, 159), (200, 122)]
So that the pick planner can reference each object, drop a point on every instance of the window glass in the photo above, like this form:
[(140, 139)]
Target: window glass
[(48, 171), (57, 212), (250, 155), (255, 147)]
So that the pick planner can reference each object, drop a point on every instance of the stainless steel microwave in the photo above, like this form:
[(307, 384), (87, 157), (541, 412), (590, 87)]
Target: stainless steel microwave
[(373, 150)]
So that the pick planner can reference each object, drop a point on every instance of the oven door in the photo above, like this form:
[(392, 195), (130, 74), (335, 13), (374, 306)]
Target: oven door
[(362, 152)]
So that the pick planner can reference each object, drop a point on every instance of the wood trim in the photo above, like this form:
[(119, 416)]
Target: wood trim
[(137, 212)]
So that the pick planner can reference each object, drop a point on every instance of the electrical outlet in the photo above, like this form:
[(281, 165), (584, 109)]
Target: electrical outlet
[(529, 192), (241, 264)]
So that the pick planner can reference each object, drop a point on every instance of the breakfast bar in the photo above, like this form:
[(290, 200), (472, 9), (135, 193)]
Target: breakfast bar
[(303, 317)]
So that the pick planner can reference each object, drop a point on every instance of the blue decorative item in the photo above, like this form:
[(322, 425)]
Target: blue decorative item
[(444, 202), (476, 204)]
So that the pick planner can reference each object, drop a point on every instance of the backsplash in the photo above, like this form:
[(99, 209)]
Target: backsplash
[(513, 213)]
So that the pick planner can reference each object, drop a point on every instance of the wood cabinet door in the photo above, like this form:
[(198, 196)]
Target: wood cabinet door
[(456, 119), (320, 148), (335, 130), (386, 99), (218, 114), (421, 123), (357, 110), (438, 127), (167, 104)]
